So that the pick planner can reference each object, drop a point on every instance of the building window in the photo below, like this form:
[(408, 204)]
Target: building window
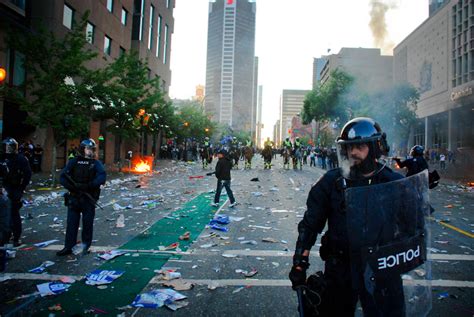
[(68, 16), (107, 45), (124, 16), (121, 51), (150, 27), (19, 3), (90, 29), (168, 3), (110, 5), (142, 18), (158, 38), (165, 45)]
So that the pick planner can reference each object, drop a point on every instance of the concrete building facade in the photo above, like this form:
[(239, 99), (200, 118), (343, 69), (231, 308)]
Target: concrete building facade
[(113, 27), (438, 59), (291, 104), (230, 70), (371, 70), (259, 123), (318, 65)]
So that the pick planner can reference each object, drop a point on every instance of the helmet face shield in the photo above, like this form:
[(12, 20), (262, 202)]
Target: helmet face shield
[(357, 159), (87, 148), (10, 146)]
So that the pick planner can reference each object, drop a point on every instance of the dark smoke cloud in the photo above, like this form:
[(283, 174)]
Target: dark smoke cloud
[(378, 25)]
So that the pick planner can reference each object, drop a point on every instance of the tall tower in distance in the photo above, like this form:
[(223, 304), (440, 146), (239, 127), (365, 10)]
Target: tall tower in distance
[(230, 71)]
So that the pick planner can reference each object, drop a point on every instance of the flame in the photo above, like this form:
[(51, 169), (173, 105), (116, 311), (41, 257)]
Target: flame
[(471, 184), (142, 167)]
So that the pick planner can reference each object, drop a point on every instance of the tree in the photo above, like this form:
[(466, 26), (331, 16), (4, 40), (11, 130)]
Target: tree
[(58, 82), (330, 101), (395, 110), (193, 122), (128, 99)]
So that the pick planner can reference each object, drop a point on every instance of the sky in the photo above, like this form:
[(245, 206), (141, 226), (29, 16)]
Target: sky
[(289, 34)]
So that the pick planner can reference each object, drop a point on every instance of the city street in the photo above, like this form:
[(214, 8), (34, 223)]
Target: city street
[(241, 272)]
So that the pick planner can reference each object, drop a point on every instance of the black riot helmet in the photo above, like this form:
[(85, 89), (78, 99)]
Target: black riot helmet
[(9, 146), (87, 144), (417, 150), (357, 132)]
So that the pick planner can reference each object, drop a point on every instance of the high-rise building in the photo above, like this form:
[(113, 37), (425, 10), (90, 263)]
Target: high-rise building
[(372, 71), (318, 64), (438, 59), (291, 105), (435, 5), (259, 127), (230, 70)]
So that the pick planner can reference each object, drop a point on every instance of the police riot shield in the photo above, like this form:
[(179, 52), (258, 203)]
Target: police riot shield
[(388, 233)]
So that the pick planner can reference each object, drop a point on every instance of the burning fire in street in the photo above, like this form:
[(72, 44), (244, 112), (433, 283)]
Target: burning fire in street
[(142, 167), (470, 184)]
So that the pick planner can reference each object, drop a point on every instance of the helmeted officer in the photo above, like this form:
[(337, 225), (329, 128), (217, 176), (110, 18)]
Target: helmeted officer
[(360, 145), (287, 144), (82, 176), (296, 144), (416, 163), (15, 182)]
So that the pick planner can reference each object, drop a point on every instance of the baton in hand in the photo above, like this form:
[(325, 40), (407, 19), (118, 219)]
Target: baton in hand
[(299, 293)]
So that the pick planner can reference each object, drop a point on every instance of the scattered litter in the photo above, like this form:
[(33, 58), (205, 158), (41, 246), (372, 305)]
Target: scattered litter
[(179, 285), (109, 255), (228, 255), (208, 245), (275, 264), (102, 286), (252, 242), (45, 243), (185, 236), (157, 298), (220, 228), (117, 207), (281, 210), (232, 218), (269, 240), (99, 277), (56, 307), (255, 179), (220, 219), (194, 177), (442, 242), (247, 273), (67, 279), (212, 285), (443, 295), (120, 221), (42, 267), (52, 288), (260, 227), (257, 194), (238, 290), (420, 272)]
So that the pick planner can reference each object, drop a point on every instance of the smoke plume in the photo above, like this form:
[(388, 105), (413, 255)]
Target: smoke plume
[(378, 25)]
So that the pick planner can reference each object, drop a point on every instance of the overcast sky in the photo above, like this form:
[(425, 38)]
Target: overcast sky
[(289, 34)]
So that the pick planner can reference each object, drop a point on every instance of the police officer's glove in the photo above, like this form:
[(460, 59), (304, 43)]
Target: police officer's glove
[(82, 187), (298, 271), (297, 276)]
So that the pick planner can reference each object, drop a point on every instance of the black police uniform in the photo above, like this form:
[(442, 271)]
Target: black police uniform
[(84, 190), (414, 165), (325, 203), (4, 208), (15, 182)]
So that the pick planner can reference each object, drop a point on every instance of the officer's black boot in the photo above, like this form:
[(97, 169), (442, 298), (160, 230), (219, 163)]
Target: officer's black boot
[(64, 252)]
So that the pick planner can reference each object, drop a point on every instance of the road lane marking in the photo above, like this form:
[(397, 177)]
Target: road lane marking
[(225, 282), (286, 282), (242, 252)]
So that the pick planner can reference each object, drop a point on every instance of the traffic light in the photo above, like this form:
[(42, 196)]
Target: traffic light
[(3, 75)]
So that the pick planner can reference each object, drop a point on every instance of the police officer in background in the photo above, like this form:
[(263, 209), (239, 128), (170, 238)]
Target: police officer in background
[(416, 163), (82, 177), (360, 145), (15, 182)]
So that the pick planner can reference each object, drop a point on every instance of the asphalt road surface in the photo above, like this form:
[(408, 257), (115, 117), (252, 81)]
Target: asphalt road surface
[(261, 238)]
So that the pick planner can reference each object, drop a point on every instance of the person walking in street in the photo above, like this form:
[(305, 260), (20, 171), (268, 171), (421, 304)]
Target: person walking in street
[(223, 167), (15, 182), (442, 161), (360, 145), (82, 177)]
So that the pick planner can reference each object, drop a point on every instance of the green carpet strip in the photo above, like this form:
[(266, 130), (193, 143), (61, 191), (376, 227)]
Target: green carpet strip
[(192, 217)]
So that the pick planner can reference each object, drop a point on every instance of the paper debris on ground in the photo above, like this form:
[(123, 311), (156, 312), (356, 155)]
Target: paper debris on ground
[(45, 243), (42, 267), (157, 298), (100, 277), (109, 255), (179, 285), (52, 288)]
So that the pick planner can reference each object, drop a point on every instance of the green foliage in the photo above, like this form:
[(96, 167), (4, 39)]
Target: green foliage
[(63, 107), (192, 122), (329, 102), (126, 91)]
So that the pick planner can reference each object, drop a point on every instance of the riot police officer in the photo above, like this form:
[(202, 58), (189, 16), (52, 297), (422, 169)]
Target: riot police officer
[(360, 145), (287, 144), (416, 163), (15, 182), (82, 177)]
